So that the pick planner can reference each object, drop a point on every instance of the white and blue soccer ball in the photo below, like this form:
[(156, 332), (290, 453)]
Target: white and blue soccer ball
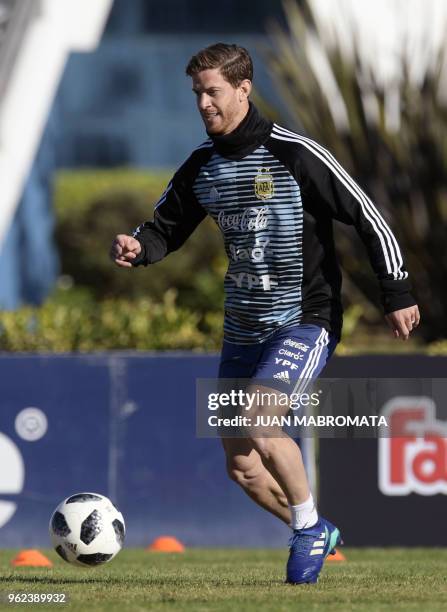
[(87, 529)]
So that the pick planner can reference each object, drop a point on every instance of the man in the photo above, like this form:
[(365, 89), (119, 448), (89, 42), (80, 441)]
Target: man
[(274, 195)]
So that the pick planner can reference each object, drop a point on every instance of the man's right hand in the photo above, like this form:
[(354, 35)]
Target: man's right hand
[(124, 249)]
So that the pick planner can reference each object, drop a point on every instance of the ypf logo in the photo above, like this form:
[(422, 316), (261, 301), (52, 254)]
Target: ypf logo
[(30, 425), (413, 456)]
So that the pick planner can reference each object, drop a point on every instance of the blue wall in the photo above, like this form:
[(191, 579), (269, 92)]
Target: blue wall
[(124, 426)]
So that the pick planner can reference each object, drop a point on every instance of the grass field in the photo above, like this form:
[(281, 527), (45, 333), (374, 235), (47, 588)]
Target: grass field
[(237, 580)]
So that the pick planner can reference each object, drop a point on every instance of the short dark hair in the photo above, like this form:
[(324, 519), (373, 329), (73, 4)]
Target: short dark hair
[(234, 62)]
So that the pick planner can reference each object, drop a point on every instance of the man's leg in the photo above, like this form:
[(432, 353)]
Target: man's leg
[(293, 356), (290, 360), (289, 364), (245, 467), (278, 452), (283, 460)]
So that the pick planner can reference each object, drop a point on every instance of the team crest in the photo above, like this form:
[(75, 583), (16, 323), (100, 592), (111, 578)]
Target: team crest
[(264, 187)]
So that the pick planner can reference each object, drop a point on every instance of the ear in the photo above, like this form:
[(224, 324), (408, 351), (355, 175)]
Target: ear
[(244, 90)]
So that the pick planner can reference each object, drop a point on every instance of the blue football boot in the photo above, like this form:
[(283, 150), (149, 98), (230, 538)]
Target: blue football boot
[(308, 550)]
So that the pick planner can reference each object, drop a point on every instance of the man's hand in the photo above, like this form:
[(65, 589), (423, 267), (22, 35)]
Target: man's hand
[(124, 249), (403, 321)]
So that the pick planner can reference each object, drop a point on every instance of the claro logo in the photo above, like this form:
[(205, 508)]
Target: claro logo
[(30, 425), (12, 476), (413, 456)]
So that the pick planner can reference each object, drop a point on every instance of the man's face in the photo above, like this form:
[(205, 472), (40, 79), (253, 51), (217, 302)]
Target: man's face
[(221, 105)]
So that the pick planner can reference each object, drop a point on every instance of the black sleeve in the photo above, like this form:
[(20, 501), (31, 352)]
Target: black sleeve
[(176, 215), (324, 178)]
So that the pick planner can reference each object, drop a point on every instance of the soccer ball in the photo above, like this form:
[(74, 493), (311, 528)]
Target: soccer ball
[(86, 529)]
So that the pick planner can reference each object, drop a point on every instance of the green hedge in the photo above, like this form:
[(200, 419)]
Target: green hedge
[(77, 323), (75, 190), (176, 304), (93, 206), (73, 321)]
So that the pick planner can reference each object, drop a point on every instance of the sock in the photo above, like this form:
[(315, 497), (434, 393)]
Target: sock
[(304, 515)]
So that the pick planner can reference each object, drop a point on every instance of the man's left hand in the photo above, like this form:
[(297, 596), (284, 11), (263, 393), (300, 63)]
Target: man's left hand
[(403, 321)]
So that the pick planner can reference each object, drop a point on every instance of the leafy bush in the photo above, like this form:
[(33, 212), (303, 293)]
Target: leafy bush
[(73, 321), (93, 206)]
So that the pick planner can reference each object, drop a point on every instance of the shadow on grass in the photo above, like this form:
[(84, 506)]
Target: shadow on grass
[(53, 580), (159, 581)]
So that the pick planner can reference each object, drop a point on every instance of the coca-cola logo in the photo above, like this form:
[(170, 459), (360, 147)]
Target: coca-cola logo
[(252, 219), (298, 345), (413, 455)]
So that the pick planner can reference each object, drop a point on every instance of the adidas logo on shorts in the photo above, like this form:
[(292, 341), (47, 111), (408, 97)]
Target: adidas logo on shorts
[(284, 376)]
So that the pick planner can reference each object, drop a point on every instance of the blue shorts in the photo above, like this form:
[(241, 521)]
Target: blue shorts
[(289, 360)]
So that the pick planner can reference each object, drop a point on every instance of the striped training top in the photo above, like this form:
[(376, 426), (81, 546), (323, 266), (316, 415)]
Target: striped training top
[(274, 194)]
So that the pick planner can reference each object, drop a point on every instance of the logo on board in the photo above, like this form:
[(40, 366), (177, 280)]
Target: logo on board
[(413, 450)]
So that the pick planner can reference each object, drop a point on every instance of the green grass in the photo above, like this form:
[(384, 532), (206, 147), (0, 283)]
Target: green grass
[(237, 580)]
